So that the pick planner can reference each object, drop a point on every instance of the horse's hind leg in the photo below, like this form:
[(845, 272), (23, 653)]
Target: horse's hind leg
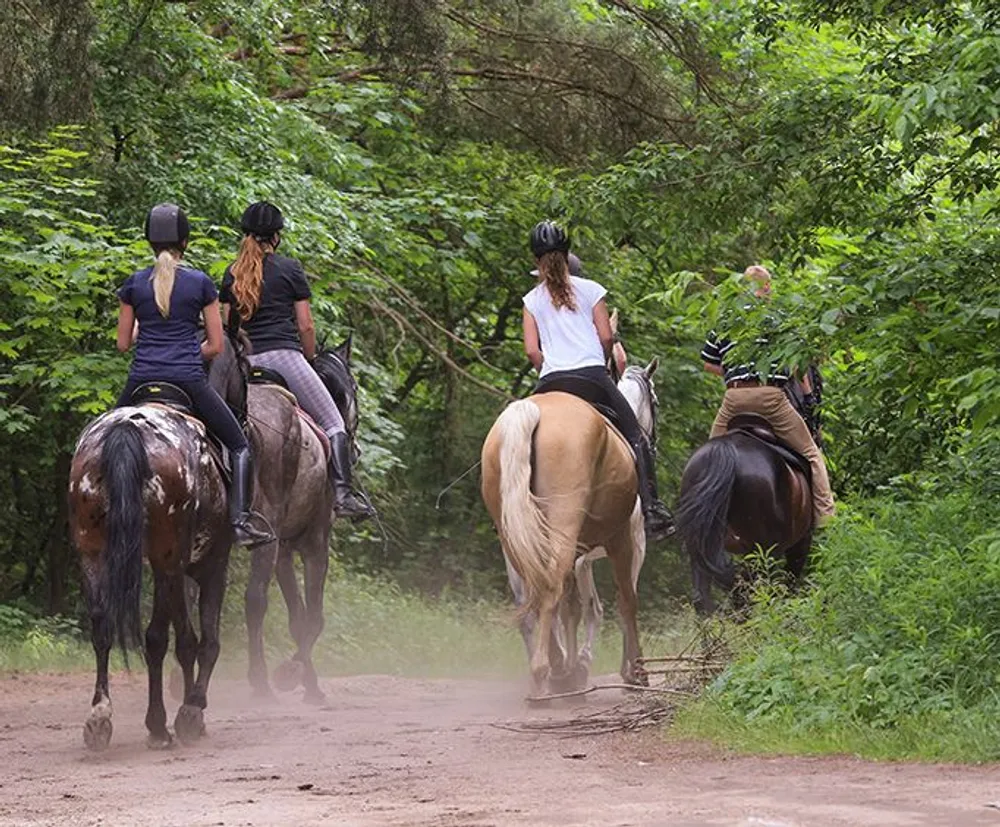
[(528, 621), (166, 590), (566, 674), (701, 581), (261, 566), (593, 610), (315, 566), (288, 675), (796, 557), (98, 727), (621, 553)]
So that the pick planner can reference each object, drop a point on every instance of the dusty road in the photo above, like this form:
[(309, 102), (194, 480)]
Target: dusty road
[(387, 751)]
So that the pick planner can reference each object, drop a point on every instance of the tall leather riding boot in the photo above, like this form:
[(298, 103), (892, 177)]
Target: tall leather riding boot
[(345, 502), (659, 522), (240, 496)]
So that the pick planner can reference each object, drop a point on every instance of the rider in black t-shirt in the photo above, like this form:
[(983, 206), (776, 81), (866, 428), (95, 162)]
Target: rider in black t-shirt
[(271, 295)]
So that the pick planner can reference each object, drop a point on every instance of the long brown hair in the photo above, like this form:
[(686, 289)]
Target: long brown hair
[(553, 267), (248, 274)]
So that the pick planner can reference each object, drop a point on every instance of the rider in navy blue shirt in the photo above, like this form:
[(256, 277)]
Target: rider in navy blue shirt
[(169, 301)]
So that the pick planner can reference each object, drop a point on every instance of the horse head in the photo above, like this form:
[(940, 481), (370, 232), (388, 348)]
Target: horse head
[(334, 368), (637, 387), (229, 372)]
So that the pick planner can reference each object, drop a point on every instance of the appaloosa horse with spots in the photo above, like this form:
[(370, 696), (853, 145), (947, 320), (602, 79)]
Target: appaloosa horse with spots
[(144, 483), (293, 493)]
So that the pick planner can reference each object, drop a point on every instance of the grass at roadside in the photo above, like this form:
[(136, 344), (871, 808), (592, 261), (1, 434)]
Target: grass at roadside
[(372, 626)]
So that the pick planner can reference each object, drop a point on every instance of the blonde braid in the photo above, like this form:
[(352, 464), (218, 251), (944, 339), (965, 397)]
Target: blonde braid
[(164, 274)]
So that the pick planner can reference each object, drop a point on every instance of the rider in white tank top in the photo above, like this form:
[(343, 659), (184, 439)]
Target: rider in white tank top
[(568, 337)]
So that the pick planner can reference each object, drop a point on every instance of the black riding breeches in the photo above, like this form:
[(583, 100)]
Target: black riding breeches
[(593, 385), (209, 407)]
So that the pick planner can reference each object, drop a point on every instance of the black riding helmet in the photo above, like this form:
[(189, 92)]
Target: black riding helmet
[(262, 219), (167, 224), (546, 236)]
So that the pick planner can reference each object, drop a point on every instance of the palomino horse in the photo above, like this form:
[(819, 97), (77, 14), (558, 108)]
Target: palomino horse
[(294, 496), (560, 482), (737, 494), (144, 483), (581, 594)]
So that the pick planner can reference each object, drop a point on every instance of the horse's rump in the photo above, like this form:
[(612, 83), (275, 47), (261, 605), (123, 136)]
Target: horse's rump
[(556, 477), (183, 482)]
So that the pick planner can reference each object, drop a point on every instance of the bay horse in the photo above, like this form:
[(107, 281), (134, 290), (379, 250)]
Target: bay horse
[(560, 485), (739, 493), (293, 494), (144, 483)]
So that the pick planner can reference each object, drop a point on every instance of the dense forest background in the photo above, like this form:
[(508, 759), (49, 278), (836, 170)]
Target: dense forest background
[(849, 145)]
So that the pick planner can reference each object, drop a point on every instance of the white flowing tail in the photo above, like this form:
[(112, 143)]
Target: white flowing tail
[(530, 542)]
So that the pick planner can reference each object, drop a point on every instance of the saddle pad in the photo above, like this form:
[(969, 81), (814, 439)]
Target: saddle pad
[(308, 420)]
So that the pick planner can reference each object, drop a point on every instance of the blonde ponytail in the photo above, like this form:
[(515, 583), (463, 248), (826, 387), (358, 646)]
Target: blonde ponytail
[(164, 273), (248, 275), (554, 270)]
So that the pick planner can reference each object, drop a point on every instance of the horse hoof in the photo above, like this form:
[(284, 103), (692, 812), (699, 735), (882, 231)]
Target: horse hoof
[(314, 697), (288, 676), (189, 723), (176, 685), (580, 677), (97, 730), (159, 742)]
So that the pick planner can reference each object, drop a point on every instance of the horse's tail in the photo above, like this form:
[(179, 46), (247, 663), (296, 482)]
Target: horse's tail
[(125, 470), (529, 539), (702, 514)]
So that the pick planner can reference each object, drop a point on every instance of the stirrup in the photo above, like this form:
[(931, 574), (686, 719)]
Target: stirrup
[(245, 534), (354, 507)]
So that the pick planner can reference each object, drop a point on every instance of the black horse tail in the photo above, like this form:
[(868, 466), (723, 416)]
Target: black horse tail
[(125, 470), (702, 515)]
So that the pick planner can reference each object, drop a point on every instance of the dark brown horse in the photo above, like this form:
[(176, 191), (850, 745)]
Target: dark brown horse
[(738, 493), (144, 483), (293, 494)]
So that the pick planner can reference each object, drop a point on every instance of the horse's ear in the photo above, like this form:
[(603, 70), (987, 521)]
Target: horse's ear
[(344, 348), (652, 366)]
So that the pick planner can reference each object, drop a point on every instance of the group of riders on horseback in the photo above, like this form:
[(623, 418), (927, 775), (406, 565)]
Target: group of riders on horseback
[(264, 294), (568, 338), (568, 474)]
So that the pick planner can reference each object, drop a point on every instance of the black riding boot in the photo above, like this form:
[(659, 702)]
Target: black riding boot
[(240, 496), (345, 502), (658, 520)]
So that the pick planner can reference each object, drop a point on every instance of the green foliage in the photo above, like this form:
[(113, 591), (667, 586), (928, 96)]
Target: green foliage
[(897, 631)]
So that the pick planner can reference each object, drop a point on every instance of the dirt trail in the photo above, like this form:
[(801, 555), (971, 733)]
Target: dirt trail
[(388, 751)]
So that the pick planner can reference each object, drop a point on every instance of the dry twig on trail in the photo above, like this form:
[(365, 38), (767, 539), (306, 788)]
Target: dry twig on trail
[(627, 716)]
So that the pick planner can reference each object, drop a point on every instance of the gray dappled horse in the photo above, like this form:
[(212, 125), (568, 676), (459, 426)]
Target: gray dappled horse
[(144, 482), (293, 494), (580, 600)]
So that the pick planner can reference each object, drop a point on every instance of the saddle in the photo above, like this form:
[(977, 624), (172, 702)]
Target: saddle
[(759, 428), (266, 376), (589, 392), (173, 398), (163, 393)]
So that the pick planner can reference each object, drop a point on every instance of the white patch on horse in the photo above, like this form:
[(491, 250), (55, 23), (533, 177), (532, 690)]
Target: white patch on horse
[(86, 486), (172, 509), (155, 488)]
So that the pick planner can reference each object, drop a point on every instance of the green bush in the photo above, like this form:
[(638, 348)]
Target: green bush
[(899, 632)]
